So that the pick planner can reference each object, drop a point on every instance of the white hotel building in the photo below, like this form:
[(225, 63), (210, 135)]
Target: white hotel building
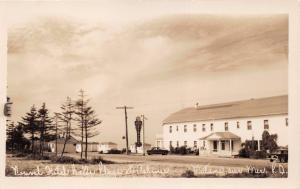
[(220, 129)]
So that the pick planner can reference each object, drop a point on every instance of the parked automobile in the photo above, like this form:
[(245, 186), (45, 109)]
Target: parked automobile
[(157, 150), (114, 151), (280, 155)]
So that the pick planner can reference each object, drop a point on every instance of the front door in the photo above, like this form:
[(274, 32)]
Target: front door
[(215, 146)]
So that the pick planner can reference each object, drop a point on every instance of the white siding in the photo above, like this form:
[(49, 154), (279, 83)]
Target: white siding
[(277, 125)]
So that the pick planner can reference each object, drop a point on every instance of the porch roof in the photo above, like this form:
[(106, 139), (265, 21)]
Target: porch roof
[(221, 136)]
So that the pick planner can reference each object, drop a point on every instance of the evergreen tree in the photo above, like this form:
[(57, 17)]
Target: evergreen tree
[(90, 123), (30, 123), (19, 139), (87, 120), (66, 116), (269, 142), (80, 107), (10, 131), (45, 126)]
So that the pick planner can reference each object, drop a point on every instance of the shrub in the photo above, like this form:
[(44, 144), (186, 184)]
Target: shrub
[(38, 157), (188, 174), (244, 153), (258, 155), (97, 160), (66, 159), (180, 150)]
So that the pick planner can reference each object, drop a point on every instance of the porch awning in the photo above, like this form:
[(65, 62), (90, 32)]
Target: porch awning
[(221, 136)]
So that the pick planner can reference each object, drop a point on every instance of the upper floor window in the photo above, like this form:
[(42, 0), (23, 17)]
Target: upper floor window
[(170, 129), (249, 125), (177, 128), (185, 128), (226, 126), (203, 127), (211, 126), (238, 124), (286, 121), (195, 128), (266, 124)]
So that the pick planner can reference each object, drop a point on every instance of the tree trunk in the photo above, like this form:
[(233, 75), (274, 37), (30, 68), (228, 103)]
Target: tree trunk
[(66, 140), (81, 151), (86, 141)]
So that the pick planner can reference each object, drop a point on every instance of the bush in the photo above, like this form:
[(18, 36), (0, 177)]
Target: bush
[(258, 155), (244, 153), (97, 160), (188, 174), (38, 157), (66, 159), (180, 150)]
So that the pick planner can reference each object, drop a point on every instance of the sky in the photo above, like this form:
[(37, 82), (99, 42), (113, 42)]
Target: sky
[(153, 58)]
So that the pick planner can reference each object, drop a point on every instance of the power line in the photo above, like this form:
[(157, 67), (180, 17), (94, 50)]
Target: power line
[(126, 127)]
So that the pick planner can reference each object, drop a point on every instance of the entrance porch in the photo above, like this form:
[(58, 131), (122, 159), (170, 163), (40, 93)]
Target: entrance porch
[(220, 144)]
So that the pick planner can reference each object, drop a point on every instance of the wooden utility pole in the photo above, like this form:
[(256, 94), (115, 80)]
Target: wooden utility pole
[(144, 118), (126, 127)]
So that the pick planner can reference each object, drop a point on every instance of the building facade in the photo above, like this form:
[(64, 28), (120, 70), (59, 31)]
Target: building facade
[(221, 128)]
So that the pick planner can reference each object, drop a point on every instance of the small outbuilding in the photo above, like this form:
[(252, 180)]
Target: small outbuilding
[(92, 147), (70, 146)]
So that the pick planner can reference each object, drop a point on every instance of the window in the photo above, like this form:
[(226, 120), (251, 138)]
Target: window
[(211, 126), (185, 128), (226, 126), (266, 124), (177, 128), (203, 127), (171, 144), (249, 125), (238, 124), (195, 144), (170, 129), (177, 144), (223, 145), (203, 143), (286, 121), (195, 128), (185, 143)]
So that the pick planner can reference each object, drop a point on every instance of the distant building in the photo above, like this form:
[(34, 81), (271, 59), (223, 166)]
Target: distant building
[(92, 147), (70, 146), (221, 128), (140, 150), (104, 147)]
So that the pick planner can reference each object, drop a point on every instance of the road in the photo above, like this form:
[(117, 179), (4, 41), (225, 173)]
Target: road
[(179, 159)]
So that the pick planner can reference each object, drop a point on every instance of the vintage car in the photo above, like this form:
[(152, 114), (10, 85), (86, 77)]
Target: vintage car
[(280, 155), (156, 150)]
